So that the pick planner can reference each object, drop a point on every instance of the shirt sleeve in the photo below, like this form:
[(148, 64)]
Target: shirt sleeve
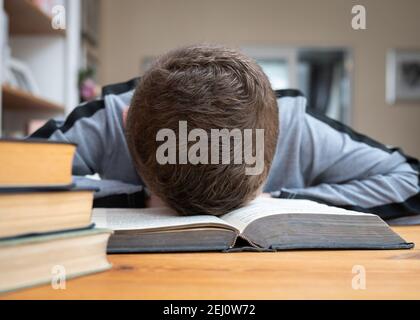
[(86, 126), (350, 170)]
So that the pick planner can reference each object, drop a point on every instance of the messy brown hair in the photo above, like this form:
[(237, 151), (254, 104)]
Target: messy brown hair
[(210, 87)]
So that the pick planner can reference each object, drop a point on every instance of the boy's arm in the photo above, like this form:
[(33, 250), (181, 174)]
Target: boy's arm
[(350, 170), (96, 127), (86, 126)]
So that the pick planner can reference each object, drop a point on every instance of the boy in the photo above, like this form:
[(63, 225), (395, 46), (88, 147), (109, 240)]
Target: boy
[(210, 87)]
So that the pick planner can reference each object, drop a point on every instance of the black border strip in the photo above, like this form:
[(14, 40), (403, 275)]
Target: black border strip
[(256, 309), (119, 88), (356, 136), (46, 130), (289, 93), (409, 207), (83, 111)]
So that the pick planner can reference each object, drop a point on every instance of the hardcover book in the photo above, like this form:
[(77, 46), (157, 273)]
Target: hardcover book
[(263, 225), (35, 163), (33, 211), (29, 261)]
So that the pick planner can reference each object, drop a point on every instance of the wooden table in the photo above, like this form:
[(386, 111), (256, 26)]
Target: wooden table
[(281, 275)]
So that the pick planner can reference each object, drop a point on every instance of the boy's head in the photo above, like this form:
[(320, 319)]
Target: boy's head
[(209, 88)]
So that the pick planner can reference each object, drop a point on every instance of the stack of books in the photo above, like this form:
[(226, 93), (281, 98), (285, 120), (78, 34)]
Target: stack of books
[(45, 223)]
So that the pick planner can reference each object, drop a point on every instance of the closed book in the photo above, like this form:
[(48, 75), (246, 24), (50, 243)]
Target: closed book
[(262, 225), (52, 258), (35, 163), (32, 211)]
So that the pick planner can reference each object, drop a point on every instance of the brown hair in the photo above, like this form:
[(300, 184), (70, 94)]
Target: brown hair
[(210, 87)]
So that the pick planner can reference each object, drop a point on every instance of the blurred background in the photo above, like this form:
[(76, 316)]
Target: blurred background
[(57, 53)]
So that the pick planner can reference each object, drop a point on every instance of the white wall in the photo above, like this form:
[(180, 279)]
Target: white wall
[(1, 69), (44, 55), (133, 30)]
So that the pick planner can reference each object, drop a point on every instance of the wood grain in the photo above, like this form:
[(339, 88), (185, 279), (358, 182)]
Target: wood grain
[(282, 275), (27, 19), (17, 99)]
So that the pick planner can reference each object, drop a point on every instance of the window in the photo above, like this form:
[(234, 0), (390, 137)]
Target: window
[(277, 72), (323, 75)]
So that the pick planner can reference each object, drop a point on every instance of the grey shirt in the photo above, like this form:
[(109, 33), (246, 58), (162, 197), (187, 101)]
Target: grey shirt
[(316, 158)]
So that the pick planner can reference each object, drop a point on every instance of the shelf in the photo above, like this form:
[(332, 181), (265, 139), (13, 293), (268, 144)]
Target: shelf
[(16, 99), (25, 18)]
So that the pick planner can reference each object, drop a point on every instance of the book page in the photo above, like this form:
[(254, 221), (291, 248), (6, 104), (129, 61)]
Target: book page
[(152, 219), (264, 207)]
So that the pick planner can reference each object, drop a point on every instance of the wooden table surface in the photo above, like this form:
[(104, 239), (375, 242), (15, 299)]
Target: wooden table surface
[(391, 274)]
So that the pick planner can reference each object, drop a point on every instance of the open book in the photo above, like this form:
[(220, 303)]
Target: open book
[(264, 224)]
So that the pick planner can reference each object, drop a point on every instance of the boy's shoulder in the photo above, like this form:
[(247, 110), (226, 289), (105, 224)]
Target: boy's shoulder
[(121, 87), (118, 95), (292, 107)]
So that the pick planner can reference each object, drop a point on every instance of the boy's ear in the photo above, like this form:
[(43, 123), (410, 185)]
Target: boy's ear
[(124, 116)]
